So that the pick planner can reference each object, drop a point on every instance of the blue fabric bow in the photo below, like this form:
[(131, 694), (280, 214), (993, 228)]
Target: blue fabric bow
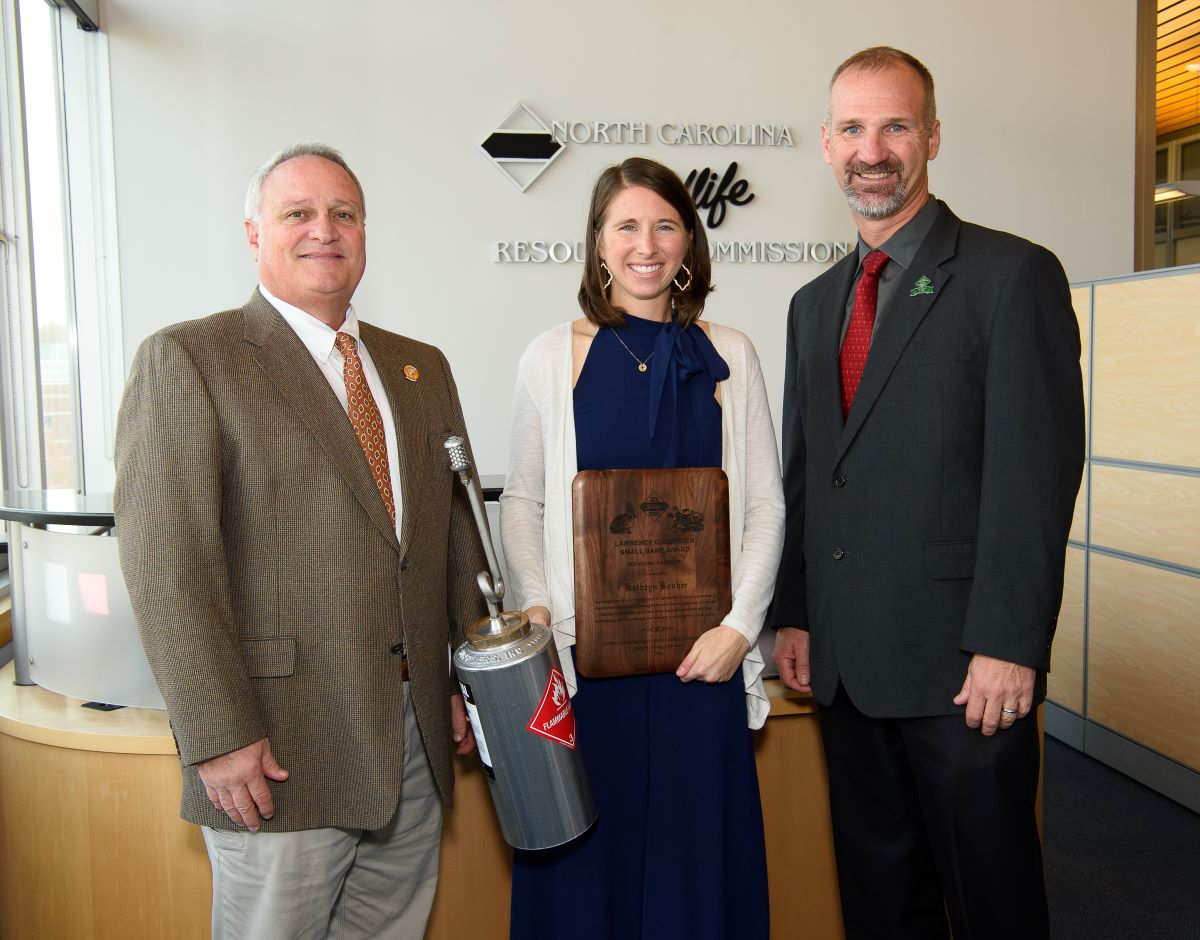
[(694, 367)]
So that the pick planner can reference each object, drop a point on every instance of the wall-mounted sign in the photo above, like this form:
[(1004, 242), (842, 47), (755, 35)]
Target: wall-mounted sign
[(543, 251), (708, 193), (673, 135), (523, 146)]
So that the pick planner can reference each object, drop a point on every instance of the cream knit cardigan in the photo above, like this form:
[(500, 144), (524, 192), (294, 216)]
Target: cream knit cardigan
[(535, 508)]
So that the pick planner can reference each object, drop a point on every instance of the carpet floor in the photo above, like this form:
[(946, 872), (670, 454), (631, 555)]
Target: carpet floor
[(1121, 860)]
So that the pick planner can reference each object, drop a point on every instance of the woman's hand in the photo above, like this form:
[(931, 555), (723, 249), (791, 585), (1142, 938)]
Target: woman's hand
[(538, 614), (715, 656)]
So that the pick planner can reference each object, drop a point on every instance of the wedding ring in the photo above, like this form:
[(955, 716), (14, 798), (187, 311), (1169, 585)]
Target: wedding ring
[(1008, 711)]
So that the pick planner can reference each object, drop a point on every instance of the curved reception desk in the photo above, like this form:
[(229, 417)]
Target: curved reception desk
[(93, 845)]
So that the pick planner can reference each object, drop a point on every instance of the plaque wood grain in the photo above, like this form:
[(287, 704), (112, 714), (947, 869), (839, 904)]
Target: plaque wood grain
[(651, 566)]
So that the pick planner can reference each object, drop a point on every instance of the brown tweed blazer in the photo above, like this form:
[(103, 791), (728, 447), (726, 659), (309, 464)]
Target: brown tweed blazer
[(266, 578)]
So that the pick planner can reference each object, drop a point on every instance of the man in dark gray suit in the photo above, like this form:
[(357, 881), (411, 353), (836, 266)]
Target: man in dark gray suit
[(933, 448), (300, 561)]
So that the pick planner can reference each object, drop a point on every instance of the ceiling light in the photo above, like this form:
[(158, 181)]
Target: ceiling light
[(1176, 189)]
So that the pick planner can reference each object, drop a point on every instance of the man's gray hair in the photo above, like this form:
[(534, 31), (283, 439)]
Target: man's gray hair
[(325, 152)]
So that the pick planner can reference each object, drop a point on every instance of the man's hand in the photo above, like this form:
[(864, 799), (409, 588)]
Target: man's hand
[(715, 655), (791, 657), (460, 727), (236, 783), (996, 693)]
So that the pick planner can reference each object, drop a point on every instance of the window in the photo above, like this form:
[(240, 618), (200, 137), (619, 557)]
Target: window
[(1177, 224), (59, 266), (54, 306)]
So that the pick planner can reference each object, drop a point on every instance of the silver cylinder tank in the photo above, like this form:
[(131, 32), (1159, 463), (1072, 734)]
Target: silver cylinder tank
[(525, 729)]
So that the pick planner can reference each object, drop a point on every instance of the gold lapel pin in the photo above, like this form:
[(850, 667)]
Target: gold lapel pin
[(412, 373)]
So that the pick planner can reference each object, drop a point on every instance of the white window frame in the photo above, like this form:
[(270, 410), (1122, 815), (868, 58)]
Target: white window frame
[(95, 265), (92, 196), (21, 419)]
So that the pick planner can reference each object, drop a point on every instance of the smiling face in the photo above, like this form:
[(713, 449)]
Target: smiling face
[(309, 240), (643, 242), (879, 146)]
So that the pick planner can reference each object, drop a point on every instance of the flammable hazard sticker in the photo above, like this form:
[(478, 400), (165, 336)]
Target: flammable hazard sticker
[(553, 717)]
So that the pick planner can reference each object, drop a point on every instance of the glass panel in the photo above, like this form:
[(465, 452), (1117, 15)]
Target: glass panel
[(51, 242), (82, 638), (1161, 169), (1187, 211), (1189, 160), (1187, 250)]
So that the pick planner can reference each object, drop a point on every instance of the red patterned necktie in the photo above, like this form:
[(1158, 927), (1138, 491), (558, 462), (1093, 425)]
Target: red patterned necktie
[(365, 419), (857, 343)]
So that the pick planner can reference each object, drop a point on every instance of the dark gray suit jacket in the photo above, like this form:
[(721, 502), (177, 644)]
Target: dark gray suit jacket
[(932, 524), (266, 577)]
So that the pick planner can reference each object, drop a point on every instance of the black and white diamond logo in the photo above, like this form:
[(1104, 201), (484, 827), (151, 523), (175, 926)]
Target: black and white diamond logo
[(522, 147)]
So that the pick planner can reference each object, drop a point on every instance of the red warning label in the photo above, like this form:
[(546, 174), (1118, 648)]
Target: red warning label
[(553, 717)]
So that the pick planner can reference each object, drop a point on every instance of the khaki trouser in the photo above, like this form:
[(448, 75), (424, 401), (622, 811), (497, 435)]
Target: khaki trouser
[(335, 883)]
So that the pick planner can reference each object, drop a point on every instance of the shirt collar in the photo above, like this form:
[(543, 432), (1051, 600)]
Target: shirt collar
[(317, 337), (902, 247)]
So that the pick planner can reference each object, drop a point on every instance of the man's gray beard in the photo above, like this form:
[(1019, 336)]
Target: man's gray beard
[(868, 205)]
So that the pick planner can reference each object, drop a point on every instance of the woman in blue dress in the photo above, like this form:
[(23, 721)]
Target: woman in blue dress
[(677, 849)]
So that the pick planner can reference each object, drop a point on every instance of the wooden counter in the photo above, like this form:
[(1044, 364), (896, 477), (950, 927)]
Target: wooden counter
[(93, 846)]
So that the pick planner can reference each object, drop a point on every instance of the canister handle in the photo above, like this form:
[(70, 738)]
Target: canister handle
[(491, 584)]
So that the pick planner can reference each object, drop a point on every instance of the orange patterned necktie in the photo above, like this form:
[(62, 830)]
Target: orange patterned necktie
[(365, 419), (857, 343)]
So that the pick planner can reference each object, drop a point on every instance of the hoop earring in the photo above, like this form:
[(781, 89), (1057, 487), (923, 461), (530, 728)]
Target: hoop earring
[(675, 280), (604, 268)]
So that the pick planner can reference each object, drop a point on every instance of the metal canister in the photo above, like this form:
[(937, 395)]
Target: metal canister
[(525, 730), (520, 709)]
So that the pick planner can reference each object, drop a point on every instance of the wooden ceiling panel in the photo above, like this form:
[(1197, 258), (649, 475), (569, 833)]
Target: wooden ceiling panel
[(1169, 9), (1177, 89)]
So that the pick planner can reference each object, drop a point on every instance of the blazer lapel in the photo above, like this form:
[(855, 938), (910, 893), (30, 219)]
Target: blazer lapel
[(827, 376), (902, 315), (287, 364)]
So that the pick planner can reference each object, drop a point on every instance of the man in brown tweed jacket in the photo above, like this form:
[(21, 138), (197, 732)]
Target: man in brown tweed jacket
[(282, 608)]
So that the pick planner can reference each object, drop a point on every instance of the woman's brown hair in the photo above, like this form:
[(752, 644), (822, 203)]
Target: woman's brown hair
[(639, 171)]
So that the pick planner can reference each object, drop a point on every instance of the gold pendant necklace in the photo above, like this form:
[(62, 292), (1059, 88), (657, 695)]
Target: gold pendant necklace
[(641, 363)]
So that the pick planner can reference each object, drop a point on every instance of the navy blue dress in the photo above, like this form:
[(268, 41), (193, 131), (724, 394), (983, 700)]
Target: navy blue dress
[(677, 850)]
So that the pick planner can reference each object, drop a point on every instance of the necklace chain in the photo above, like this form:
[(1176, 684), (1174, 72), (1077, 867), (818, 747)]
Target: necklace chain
[(641, 363)]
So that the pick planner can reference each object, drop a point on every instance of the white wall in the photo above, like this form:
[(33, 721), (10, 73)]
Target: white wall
[(1036, 101)]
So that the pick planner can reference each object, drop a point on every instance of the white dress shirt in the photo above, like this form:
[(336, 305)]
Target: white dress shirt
[(319, 340)]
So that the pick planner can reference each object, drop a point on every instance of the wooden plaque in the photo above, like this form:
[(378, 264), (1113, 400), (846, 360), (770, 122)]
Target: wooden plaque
[(651, 566)]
